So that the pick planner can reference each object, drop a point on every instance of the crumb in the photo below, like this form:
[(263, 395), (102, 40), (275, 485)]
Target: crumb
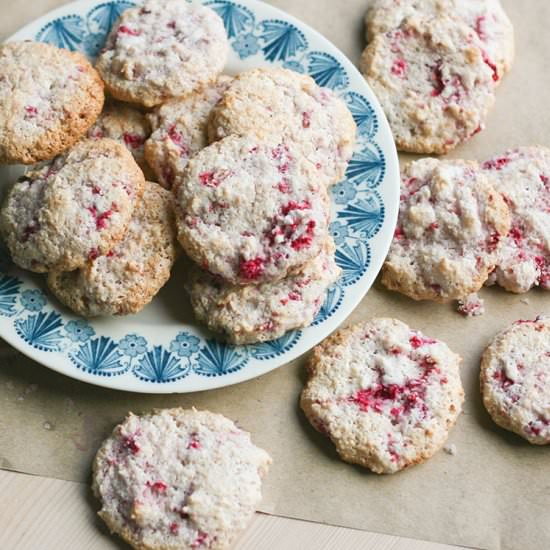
[(48, 425), (525, 301), (450, 449), (471, 306)]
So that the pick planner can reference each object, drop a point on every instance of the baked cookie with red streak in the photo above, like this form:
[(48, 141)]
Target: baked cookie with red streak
[(73, 209), (386, 395), (162, 49), (257, 313), (450, 229), (126, 125), (523, 178), (178, 479), (291, 106), (180, 130), (251, 211), (128, 277), (515, 379), (49, 97), (433, 80), (486, 17)]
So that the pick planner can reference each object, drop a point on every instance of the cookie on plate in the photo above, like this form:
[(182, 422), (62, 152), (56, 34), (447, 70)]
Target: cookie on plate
[(268, 102), (449, 232), (257, 313), (163, 49), (386, 395), (125, 125), (180, 130), (127, 278), (486, 17), (523, 178), (178, 479), (49, 97), (515, 379), (72, 209), (251, 211), (432, 79)]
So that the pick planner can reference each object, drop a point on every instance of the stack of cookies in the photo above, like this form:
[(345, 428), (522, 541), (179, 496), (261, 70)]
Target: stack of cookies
[(244, 163)]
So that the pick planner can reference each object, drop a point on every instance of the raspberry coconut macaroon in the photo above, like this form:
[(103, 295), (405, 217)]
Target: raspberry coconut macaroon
[(251, 211), (384, 394), (449, 231), (178, 479), (515, 379), (49, 97), (163, 49), (73, 209), (523, 178)]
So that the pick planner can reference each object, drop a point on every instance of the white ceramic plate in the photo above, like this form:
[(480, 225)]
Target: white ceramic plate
[(162, 349)]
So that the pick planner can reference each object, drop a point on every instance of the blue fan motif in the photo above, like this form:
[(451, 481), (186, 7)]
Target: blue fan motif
[(99, 356), (368, 166), (354, 261), (326, 70), (363, 114), (9, 289), (159, 365), (236, 18), (281, 40), (41, 331), (101, 18), (274, 348), (66, 32), (365, 216), (216, 359), (333, 301)]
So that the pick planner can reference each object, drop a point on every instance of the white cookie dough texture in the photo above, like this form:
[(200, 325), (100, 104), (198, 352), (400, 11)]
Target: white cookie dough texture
[(257, 313), (278, 102), (178, 479), (384, 394), (451, 223), (163, 49), (515, 379)]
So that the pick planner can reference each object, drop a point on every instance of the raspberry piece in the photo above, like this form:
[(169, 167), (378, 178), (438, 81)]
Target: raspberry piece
[(194, 442), (93, 254), (399, 68), (200, 540), (496, 164), (177, 138), (171, 25), (209, 179), (123, 29), (133, 140), (293, 205), (129, 442), (252, 269), (174, 528), (157, 487), (436, 78), (31, 111), (417, 342), (306, 119), (492, 66)]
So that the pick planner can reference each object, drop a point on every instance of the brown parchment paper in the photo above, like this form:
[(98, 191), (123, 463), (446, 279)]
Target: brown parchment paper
[(494, 493)]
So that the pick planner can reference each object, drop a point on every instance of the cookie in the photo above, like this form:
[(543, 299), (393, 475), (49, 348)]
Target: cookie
[(128, 277), (180, 130), (163, 49), (267, 102), (515, 379), (523, 178), (386, 395), (126, 125), (486, 17), (178, 479), (433, 81), (49, 97), (257, 313), (73, 209), (449, 231), (251, 211)]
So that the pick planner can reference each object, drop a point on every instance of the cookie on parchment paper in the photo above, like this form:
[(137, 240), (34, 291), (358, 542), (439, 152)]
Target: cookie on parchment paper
[(178, 479), (449, 231), (384, 394), (434, 84), (162, 49), (49, 97), (522, 176), (515, 379), (128, 276), (257, 313), (180, 130), (278, 102), (251, 211), (74, 208)]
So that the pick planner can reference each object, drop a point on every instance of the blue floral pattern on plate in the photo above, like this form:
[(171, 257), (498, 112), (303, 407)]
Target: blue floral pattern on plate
[(125, 354)]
